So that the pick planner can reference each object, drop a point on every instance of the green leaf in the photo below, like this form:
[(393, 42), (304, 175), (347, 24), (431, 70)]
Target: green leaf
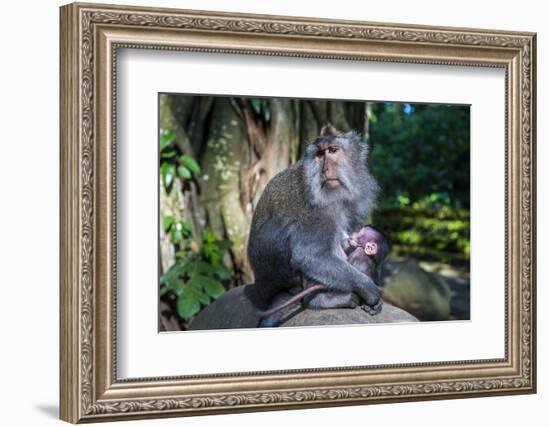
[(215, 259), (184, 172), (185, 228), (167, 222), (266, 111), (190, 163), (168, 172), (208, 249), (177, 270), (188, 305), (256, 104), (166, 138), (201, 267), (195, 282), (213, 288), (223, 272), (168, 154), (176, 285), (163, 290), (182, 254), (211, 252), (177, 235), (191, 292), (209, 236), (204, 298)]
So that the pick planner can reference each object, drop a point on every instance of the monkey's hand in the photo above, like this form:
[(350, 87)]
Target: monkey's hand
[(353, 243), (349, 245), (375, 309), (335, 273)]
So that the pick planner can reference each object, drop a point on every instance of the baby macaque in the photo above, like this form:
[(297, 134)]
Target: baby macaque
[(365, 250)]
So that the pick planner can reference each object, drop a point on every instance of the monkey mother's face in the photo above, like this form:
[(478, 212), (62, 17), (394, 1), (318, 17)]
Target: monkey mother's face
[(330, 158)]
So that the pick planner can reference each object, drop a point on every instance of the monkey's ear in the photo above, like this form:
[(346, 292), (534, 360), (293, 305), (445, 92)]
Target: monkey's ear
[(329, 130)]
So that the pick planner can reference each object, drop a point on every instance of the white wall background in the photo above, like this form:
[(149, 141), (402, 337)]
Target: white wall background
[(29, 170)]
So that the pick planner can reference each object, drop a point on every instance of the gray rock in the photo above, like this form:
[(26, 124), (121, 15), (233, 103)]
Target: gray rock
[(348, 316), (239, 308), (420, 293), (236, 309)]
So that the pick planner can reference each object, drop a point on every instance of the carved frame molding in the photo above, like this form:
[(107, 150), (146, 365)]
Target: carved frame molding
[(90, 36)]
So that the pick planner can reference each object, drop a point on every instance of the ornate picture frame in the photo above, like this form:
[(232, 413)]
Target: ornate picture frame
[(90, 37)]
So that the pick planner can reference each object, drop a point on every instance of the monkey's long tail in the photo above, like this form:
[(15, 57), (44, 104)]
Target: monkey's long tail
[(297, 297)]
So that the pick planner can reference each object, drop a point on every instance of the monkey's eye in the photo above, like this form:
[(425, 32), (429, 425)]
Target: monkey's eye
[(319, 154), (332, 150)]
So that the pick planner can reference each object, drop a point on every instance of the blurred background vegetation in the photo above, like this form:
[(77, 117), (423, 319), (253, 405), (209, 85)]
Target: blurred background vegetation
[(218, 153)]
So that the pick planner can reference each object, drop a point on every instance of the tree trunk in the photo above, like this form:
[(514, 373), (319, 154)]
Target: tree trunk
[(220, 183)]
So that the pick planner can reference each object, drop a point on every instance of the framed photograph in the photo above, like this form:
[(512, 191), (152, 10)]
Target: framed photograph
[(266, 212)]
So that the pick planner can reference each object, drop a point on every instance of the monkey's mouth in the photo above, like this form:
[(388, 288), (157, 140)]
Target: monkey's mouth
[(332, 183)]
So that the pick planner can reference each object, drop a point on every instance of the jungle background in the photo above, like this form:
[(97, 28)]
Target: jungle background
[(217, 154)]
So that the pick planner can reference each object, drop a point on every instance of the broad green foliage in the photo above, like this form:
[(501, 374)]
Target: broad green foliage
[(198, 275), (421, 151), (261, 108), (179, 230), (174, 164), (189, 164), (441, 235), (167, 137), (421, 159)]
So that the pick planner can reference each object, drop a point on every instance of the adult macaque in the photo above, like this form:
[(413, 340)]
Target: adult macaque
[(304, 214), (365, 250)]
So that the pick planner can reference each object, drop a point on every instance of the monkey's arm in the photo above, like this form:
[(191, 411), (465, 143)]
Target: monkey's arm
[(323, 266), (349, 245)]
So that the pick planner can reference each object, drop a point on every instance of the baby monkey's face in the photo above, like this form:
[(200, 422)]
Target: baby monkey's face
[(371, 248), (367, 238), (371, 242)]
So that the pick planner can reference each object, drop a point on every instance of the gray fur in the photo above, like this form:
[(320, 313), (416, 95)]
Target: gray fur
[(298, 225)]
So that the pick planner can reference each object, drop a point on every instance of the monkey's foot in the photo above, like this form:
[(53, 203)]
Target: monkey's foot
[(375, 309)]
